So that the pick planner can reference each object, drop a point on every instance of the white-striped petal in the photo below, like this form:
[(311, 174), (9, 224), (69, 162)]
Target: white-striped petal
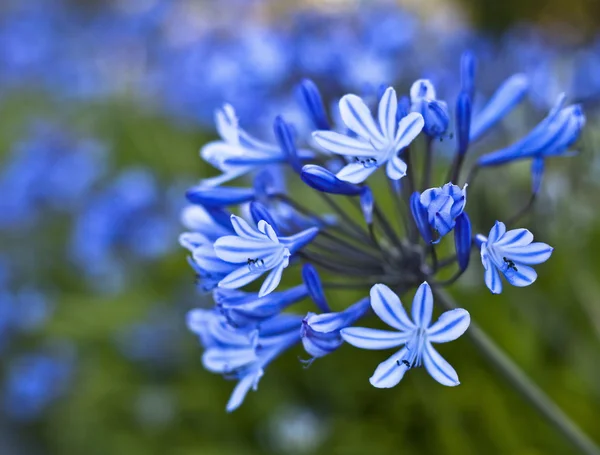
[(222, 360), (240, 277), (496, 232), (396, 168), (523, 276), (357, 117), (244, 230), (439, 368), (266, 229), (390, 372), (355, 172), (409, 128), (341, 144), (534, 253), (515, 238), (365, 338), (449, 326), (388, 106), (238, 250), (206, 257), (491, 276), (387, 305), (272, 281), (422, 306), (241, 390)]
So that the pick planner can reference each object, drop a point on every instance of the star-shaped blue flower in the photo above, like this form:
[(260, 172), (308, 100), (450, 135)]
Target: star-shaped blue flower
[(417, 335), (510, 252), (376, 143)]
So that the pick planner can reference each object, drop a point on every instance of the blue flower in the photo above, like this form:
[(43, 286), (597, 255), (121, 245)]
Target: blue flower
[(321, 332), (443, 206), (242, 354), (255, 252), (237, 153), (417, 336), (434, 112), (510, 252), (551, 137), (375, 145)]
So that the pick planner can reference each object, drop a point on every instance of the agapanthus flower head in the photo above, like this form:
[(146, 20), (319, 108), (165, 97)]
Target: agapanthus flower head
[(354, 241)]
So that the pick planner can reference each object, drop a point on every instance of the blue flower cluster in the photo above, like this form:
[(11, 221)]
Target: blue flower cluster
[(237, 234)]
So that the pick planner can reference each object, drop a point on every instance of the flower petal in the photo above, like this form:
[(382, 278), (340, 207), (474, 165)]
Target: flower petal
[(439, 368), (523, 276), (240, 277), (355, 172), (515, 238), (396, 168), (238, 250), (365, 338), (357, 116), (341, 144), (272, 281), (390, 372), (208, 260), (422, 306), (534, 253), (387, 305), (244, 230), (492, 276), (449, 326), (409, 128), (388, 106), (496, 232), (249, 381), (223, 360)]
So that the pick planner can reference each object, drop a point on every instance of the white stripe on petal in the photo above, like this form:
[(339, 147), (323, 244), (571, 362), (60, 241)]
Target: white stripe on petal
[(365, 338), (439, 368), (223, 360), (390, 372), (357, 116), (355, 173), (208, 260), (422, 306), (449, 326), (388, 106), (266, 229), (341, 144), (492, 277), (496, 232), (387, 305)]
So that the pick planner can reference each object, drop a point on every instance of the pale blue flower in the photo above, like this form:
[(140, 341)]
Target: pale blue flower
[(417, 335), (376, 142), (256, 251), (443, 206), (510, 252)]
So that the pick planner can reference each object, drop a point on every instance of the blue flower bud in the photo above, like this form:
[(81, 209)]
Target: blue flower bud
[(510, 93), (312, 281), (321, 179), (403, 107), (463, 121), (219, 196), (467, 73), (434, 112), (462, 240), (419, 214), (366, 204), (285, 139), (259, 212), (443, 206), (313, 103)]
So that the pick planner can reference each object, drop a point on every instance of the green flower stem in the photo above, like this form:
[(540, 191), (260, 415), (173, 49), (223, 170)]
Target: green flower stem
[(521, 382)]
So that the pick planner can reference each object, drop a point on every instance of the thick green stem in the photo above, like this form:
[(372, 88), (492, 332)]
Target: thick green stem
[(525, 386)]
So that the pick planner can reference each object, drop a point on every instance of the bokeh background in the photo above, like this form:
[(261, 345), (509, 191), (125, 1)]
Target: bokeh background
[(103, 108)]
